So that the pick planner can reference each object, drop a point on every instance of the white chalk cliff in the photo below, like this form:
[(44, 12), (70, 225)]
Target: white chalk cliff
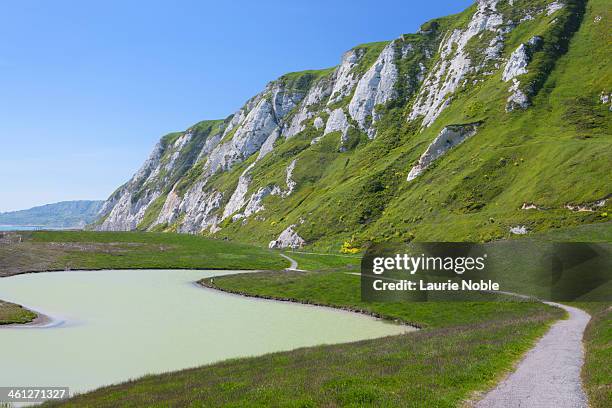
[(279, 150)]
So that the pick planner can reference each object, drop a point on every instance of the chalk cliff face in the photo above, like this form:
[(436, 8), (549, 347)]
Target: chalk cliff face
[(393, 138)]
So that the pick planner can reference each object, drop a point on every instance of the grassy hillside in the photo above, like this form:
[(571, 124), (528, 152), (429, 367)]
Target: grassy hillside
[(65, 214), (555, 153), (552, 156)]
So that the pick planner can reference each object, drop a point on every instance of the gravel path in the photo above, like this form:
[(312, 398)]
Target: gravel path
[(294, 264), (549, 375)]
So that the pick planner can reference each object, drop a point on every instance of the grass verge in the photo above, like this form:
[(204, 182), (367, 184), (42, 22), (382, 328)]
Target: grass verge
[(597, 370), (436, 368), (320, 261), (11, 313)]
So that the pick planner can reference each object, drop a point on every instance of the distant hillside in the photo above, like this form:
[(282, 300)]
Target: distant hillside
[(66, 214)]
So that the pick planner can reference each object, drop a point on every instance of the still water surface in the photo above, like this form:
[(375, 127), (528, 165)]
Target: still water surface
[(117, 325), (20, 227)]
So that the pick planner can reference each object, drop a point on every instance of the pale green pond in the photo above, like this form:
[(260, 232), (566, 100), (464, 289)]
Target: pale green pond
[(117, 325)]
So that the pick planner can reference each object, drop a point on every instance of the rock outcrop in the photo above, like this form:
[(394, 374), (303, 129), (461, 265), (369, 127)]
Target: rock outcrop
[(519, 230), (337, 122), (517, 66), (344, 78), (448, 138), (287, 239), (376, 87), (454, 63)]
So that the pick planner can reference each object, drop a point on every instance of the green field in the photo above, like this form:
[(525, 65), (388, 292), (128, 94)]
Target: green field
[(70, 250), (338, 289)]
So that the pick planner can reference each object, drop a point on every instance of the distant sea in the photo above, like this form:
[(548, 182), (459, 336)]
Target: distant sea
[(28, 228)]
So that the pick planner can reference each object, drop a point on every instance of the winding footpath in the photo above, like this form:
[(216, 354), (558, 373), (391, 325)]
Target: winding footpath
[(549, 375), (294, 264)]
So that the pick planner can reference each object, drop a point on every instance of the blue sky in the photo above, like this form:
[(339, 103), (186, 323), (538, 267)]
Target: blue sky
[(88, 87)]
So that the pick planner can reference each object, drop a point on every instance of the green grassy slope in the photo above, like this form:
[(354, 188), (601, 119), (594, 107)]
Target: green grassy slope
[(557, 152)]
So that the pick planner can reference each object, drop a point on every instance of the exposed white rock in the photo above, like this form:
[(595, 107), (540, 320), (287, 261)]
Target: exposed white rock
[(126, 214), (495, 48), (170, 210), (248, 138), (449, 72), (122, 213), (126, 208), (517, 99), (182, 140), (517, 64), (255, 127), (448, 138), (289, 180), (519, 230), (315, 95), (255, 202), (318, 123), (297, 123), (554, 7), (268, 145), (258, 131), (211, 142), (337, 122), (344, 79), (422, 71), (238, 198), (407, 48), (241, 114), (529, 206), (288, 239), (199, 207), (376, 87), (252, 131), (606, 98), (316, 140), (535, 42), (587, 207)]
